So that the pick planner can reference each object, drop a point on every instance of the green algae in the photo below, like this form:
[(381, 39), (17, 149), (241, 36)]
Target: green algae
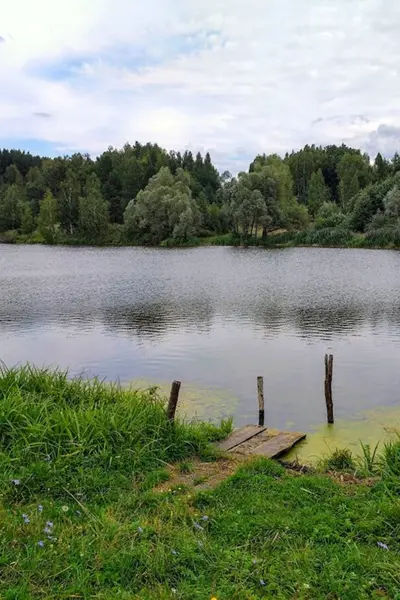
[(208, 404), (370, 427)]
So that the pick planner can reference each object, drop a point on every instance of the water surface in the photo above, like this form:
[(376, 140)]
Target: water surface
[(214, 318)]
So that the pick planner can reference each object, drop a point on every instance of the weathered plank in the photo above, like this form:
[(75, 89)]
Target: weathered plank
[(248, 446), (278, 444), (239, 436)]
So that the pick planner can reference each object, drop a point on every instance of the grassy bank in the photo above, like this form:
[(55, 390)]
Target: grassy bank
[(79, 517)]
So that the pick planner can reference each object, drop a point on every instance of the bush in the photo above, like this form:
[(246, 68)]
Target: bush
[(328, 209), (296, 215), (9, 237), (336, 220), (379, 221), (385, 236), (368, 202)]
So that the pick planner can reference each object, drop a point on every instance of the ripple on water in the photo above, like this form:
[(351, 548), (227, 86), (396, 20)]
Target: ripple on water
[(214, 318)]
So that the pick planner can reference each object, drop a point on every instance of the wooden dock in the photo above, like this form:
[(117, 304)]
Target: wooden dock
[(260, 441)]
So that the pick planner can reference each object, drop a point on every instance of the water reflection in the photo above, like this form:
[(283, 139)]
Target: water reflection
[(159, 319), (215, 318)]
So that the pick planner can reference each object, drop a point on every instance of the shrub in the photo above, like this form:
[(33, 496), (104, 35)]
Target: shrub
[(9, 237), (368, 202), (384, 236), (336, 220)]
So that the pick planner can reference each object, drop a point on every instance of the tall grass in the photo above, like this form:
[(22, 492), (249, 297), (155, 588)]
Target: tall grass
[(57, 432)]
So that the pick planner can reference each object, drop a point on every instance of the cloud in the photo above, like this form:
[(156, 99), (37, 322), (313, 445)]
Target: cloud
[(385, 139), (42, 115), (2, 39), (226, 76)]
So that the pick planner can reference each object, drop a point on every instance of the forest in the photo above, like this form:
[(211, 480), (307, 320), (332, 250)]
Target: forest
[(144, 195)]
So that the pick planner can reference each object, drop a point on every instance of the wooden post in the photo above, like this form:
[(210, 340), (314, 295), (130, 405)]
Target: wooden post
[(173, 400), (260, 394), (328, 387)]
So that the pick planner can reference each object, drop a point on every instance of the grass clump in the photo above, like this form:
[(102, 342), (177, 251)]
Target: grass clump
[(57, 434), (340, 459), (186, 467)]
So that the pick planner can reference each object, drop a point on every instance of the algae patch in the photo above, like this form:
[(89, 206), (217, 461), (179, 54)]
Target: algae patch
[(371, 427), (206, 404)]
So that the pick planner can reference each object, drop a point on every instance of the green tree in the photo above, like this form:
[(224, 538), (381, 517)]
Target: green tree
[(368, 202), (318, 193), (93, 212), (391, 202), (27, 224), (381, 167), (48, 218), (302, 165), (9, 213), (54, 172), (354, 173), (68, 202), (292, 213), (245, 207), (35, 188), (112, 193), (12, 176), (164, 209)]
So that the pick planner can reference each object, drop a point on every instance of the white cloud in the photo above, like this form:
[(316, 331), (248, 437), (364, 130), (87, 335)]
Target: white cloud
[(227, 76)]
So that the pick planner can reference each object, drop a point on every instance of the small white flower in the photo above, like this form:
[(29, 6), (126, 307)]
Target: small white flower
[(383, 546)]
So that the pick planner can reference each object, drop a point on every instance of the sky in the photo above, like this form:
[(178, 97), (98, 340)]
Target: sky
[(232, 77)]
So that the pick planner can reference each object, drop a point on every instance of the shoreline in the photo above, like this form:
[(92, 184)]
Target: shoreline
[(203, 243)]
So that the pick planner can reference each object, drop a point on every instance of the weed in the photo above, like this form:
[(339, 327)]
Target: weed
[(186, 467), (368, 462), (339, 460)]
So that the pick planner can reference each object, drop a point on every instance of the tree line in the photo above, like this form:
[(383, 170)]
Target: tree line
[(143, 194)]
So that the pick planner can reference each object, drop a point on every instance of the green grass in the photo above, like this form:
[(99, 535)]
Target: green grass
[(85, 457)]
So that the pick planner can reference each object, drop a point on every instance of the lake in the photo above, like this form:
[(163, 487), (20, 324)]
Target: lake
[(214, 318)]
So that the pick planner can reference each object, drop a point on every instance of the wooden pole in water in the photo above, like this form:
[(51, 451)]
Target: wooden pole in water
[(328, 387), (173, 400), (260, 394)]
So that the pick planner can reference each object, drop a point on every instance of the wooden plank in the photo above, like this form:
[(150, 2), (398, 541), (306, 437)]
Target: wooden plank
[(239, 436), (248, 446), (278, 444)]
